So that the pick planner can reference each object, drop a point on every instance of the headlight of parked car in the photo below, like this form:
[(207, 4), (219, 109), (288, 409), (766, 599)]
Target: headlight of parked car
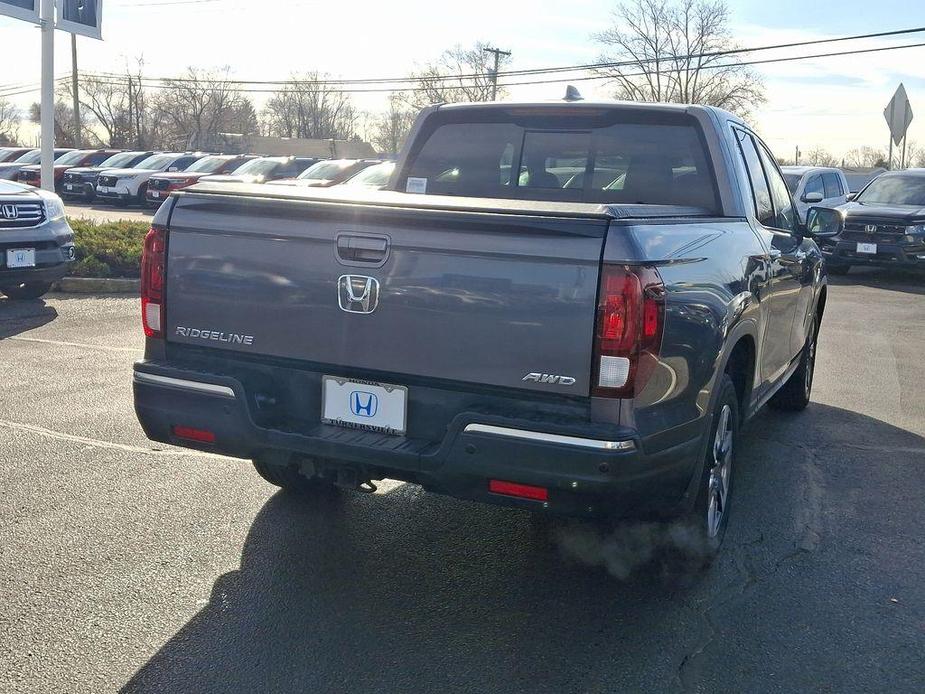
[(54, 208), (916, 230)]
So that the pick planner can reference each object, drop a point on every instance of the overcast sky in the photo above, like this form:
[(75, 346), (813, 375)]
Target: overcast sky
[(835, 102)]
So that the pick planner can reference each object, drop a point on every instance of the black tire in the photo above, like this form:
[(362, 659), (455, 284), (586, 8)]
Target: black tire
[(287, 477), (142, 195), (837, 269), (795, 394), (709, 518), (27, 290)]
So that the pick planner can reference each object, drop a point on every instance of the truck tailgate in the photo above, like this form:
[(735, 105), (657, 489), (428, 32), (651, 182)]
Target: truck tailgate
[(476, 297)]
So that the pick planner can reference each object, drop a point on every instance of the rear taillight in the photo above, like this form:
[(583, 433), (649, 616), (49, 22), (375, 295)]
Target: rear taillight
[(628, 334), (153, 263)]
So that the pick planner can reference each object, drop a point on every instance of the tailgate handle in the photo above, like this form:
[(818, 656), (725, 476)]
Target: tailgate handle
[(353, 248)]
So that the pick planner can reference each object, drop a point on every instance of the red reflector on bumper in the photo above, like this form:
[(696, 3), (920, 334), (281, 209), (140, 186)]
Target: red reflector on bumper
[(201, 435), (523, 491)]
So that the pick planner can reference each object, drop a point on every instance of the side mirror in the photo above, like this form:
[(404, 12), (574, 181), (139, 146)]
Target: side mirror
[(813, 198), (852, 196), (173, 169), (824, 222)]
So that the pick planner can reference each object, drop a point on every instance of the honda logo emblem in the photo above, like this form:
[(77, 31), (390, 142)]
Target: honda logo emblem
[(357, 293), (870, 228), (10, 211)]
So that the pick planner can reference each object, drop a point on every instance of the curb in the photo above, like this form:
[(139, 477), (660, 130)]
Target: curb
[(97, 285)]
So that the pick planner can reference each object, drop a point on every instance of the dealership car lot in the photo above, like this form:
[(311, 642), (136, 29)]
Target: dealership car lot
[(126, 564)]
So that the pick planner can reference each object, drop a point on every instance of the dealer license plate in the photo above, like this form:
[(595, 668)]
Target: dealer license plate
[(364, 405), (20, 257), (870, 248)]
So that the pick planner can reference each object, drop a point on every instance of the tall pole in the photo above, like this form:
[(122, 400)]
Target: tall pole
[(74, 90), (47, 17), (902, 158), (494, 74)]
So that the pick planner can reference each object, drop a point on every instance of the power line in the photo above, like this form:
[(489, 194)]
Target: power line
[(574, 68), (166, 83)]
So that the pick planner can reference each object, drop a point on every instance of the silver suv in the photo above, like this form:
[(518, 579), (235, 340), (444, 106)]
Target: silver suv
[(36, 242)]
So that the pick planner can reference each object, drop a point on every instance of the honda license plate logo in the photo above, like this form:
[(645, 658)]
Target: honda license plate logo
[(363, 403), (10, 211), (357, 293)]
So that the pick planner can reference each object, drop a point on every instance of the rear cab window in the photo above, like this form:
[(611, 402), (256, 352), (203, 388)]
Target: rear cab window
[(606, 155)]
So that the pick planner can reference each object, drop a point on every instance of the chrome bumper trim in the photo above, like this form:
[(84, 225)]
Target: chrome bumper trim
[(549, 438), (210, 388)]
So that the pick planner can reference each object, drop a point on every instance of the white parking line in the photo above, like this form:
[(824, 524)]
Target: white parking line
[(98, 443), (84, 345)]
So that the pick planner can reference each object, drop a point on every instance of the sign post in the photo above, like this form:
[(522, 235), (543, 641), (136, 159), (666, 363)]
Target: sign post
[(76, 16), (48, 95), (898, 115)]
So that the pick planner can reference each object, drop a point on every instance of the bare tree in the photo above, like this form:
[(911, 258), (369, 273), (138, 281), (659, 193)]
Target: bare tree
[(458, 75), (666, 51), (819, 156), (201, 110), (389, 129), (64, 121), (310, 107), (9, 122), (865, 157)]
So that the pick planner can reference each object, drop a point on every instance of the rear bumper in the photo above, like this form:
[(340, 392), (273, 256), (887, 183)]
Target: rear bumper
[(888, 254), (591, 470)]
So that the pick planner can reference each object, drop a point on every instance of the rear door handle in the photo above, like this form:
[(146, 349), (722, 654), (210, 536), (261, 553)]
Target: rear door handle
[(362, 249)]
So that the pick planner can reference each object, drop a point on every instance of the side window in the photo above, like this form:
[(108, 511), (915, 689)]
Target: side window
[(761, 193), (814, 185), (182, 163), (832, 185), (785, 218)]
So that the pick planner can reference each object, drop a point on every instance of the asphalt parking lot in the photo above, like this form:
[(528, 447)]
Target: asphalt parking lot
[(128, 566)]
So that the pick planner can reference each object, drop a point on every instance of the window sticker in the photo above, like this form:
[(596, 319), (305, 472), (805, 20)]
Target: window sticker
[(416, 185)]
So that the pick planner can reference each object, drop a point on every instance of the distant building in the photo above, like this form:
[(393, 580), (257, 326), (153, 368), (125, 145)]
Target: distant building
[(233, 143)]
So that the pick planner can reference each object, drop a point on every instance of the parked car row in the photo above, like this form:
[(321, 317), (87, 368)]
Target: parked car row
[(148, 178)]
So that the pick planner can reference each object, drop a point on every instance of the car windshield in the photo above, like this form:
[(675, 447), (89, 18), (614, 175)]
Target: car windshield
[(117, 161), (207, 165), (156, 161), (793, 182), (895, 190), (257, 167), (74, 157), (374, 176), (32, 157), (326, 170)]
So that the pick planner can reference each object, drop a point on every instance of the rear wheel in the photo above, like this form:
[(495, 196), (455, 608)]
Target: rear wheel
[(27, 290), (288, 476), (710, 516), (794, 395)]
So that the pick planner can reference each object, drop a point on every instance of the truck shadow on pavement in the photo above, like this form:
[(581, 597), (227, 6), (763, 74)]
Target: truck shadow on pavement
[(894, 279), (410, 592), (21, 316)]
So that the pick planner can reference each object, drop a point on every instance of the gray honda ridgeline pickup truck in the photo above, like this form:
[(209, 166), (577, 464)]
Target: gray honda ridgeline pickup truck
[(565, 307)]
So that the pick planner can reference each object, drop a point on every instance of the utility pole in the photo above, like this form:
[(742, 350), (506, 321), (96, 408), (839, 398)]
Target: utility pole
[(494, 73), (74, 89), (796, 156)]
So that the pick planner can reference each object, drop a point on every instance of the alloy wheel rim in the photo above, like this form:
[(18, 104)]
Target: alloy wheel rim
[(810, 361), (720, 473)]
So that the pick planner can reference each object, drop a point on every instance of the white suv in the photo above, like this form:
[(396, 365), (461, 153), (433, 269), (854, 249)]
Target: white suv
[(124, 186), (815, 185)]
